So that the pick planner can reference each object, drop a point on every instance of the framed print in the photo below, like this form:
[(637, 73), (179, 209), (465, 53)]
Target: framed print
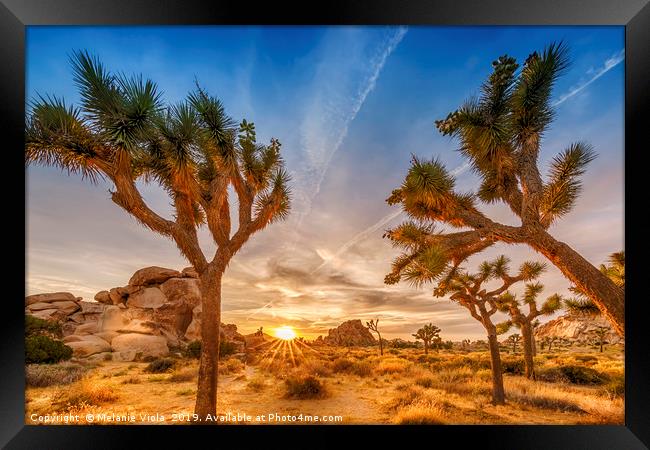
[(372, 216)]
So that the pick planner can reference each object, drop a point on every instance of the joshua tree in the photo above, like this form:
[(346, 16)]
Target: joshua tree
[(601, 333), (124, 132), (549, 340), (372, 326), (514, 340), (536, 324), (614, 270), (465, 344), (427, 334), (466, 289), (259, 332), (508, 303), (500, 135)]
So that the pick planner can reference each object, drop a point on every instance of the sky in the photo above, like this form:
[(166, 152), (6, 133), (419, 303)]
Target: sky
[(349, 105)]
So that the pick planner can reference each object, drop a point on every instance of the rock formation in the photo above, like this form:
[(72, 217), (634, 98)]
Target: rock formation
[(576, 327), (159, 310), (350, 333)]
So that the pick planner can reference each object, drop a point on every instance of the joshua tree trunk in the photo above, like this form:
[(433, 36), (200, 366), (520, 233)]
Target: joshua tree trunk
[(609, 298), (601, 346), (534, 346), (206, 395), (528, 344), (498, 395), (426, 348), (381, 345)]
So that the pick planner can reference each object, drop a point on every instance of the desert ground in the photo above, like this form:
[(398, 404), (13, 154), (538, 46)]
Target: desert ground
[(292, 382)]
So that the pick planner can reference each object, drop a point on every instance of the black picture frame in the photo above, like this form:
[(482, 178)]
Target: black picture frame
[(633, 14)]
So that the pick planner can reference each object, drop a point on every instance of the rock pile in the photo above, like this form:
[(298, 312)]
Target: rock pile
[(158, 310), (350, 333), (577, 328)]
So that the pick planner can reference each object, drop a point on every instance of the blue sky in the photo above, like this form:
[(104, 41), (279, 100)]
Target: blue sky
[(349, 104)]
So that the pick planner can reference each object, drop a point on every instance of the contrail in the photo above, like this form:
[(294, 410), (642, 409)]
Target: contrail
[(377, 225), (608, 65), (321, 167), (359, 237)]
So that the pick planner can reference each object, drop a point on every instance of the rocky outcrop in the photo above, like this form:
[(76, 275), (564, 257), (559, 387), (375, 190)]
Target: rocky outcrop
[(577, 328), (159, 309), (350, 333)]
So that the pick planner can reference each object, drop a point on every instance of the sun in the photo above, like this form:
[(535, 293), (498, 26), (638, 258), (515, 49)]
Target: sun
[(286, 333)]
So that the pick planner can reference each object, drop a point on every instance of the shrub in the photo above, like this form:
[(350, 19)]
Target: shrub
[(318, 368), (85, 393), (227, 348), (513, 366), (49, 375), (583, 375), (231, 365), (616, 385), (186, 374), (257, 384), (133, 379), (420, 415), (34, 326), (342, 365), (160, 365), (303, 386), (44, 349), (193, 350)]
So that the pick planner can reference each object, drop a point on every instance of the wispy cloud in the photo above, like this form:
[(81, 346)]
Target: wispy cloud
[(376, 226), (608, 65), (336, 104)]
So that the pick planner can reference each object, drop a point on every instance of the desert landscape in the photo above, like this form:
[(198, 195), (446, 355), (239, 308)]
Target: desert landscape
[(451, 253), (136, 362)]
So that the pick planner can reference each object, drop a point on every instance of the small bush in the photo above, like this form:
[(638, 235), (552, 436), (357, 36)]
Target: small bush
[(318, 368), (34, 326), (257, 384), (182, 375), (425, 381), (44, 349), (583, 375), (231, 365), (193, 350), (342, 365), (49, 375), (420, 415), (513, 366), (227, 348), (86, 393), (185, 392), (301, 386), (161, 365), (616, 385), (133, 379)]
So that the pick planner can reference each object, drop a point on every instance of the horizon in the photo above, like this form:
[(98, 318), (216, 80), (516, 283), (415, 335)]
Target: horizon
[(355, 103)]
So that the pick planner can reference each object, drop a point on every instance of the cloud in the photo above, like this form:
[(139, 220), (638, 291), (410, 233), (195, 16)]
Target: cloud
[(346, 75), (608, 65)]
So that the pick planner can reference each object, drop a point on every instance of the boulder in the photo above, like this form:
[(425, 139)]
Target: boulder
[(107, 335), (577, 327), (352, 332), (103, 356), (39, 306), (142, 345), (174, 318), (73, 338), (89, 345), (124, 356), (117, 296), (77, 317), (152, 275), (150, 297), (92, 307), (50, 314), (67, 307), (186, 290), (139, 326), (190, 272), (112, 319), (49, 298), (86, 328), (103, 297)]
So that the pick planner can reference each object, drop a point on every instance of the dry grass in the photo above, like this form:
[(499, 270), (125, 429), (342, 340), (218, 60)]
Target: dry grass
[(41, 375), (408, 387)]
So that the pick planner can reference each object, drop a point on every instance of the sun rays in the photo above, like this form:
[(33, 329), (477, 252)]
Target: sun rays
[(286, 350)]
